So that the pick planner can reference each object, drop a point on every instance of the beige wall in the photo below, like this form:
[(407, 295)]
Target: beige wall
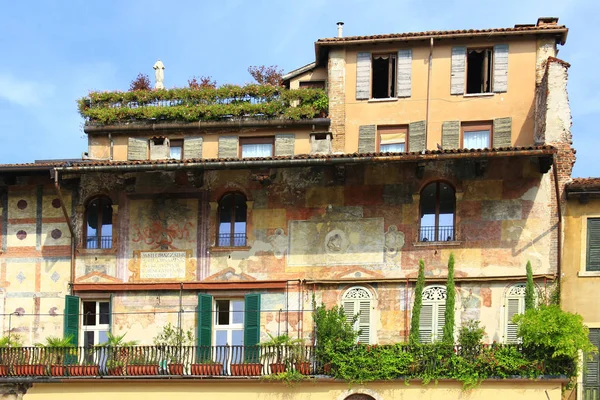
[(317, 74), (579, 288), (316, 390), (518, 102)]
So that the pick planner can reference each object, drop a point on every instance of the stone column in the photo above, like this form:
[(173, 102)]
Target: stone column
[(336, 71)]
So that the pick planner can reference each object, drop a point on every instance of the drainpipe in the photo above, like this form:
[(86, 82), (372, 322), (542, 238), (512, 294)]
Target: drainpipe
[(406, 311), (111, 146), (559, 239), (70, 226), (429, 68)]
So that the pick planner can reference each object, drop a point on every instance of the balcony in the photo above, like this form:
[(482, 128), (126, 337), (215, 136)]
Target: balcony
[(424, 362), (226, 103)]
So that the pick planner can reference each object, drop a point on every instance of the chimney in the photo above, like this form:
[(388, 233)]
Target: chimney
[(545, 21), (340, 26)]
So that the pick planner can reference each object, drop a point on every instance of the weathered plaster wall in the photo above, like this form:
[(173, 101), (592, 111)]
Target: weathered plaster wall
[(316, 74)]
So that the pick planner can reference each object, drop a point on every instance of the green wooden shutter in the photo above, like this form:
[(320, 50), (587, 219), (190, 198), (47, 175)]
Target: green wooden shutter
[(204, 335), (71, 325), (593, 245), (426, 323), (591, 372), (110, 318), (252, 327)]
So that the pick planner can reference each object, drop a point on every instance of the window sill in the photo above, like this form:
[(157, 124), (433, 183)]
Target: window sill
[(85, 251), (228, 249), (437, 244), (492, 94), (588, 274), (388, 100)]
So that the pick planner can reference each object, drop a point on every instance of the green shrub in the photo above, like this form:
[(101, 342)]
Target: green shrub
[(448, 335), (415, 321)]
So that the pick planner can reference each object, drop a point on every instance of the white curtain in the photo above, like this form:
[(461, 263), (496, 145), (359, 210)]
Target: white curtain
[(392, 148), (476, 140), (257, 150)]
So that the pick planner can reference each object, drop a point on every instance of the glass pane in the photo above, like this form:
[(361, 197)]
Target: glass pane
[(104, 317), (102, 337), (88, 339), (476, 139), (237, 337), (392, 148), (89, 313), (222, 312), (175, 152), (92, 218), (257, 150), (220, 338), (237, 306), (428, 201)]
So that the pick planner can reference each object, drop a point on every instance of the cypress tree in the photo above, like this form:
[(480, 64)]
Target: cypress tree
[(450, 300), (414, 337), (529, 289)]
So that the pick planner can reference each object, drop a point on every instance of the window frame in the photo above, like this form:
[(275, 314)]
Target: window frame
[(97, 327), (392, 77), (356, 303), (230, 327), (99, 224), (491, 72), (437, 213), (583, 271), (437, 328), (256, 140), (474, 126), (402, 127), (521, 306), (232, 222), (176, 143)]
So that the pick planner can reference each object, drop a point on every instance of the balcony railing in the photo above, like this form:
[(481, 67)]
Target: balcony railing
[(231, 361), (444, 234), (235, 240), (98, 242)]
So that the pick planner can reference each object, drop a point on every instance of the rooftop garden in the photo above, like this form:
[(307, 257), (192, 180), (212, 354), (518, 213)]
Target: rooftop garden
[(203, 100)]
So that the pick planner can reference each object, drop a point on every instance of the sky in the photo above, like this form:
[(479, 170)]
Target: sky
[(54, 52)]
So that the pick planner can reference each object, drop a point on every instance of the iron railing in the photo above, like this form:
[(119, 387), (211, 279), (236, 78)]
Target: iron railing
[(98, 242), (229, 240), (436, 234)]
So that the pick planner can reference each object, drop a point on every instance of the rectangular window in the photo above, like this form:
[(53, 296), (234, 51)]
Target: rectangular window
[(593, 245), (96, 322), (479, 70), (392, 138), (312, 84), (176, 149), (591, 369), (476, 135), (256, 147), (229, 325), (383, 76)]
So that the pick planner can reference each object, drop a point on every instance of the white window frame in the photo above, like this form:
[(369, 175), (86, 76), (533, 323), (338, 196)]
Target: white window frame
[(97, 328), (357, 300), (583, 256), (434, 296), (229, 328), (514, 292)]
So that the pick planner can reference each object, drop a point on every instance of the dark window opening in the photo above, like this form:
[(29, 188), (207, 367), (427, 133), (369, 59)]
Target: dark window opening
[(479, 71), (320, 136), (383, 76), (158, 141), (232, 221), (438, 202), (98, 234), (312, 84), (222, 312)]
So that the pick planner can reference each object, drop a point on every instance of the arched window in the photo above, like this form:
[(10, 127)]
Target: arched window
[(358, 300), (432, 319), (99, 228), (438, 203), (232, 220), (514, 304), (359, 396)]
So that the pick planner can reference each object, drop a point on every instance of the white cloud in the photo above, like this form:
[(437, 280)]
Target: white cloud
[(26, 93)]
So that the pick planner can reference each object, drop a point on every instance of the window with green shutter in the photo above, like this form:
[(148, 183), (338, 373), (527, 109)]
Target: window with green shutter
[(71, 324), (593, 245), (591, 369), (252, 327), (204, 334)]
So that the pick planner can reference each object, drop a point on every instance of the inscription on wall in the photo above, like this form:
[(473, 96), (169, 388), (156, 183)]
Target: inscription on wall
[(166, 265)]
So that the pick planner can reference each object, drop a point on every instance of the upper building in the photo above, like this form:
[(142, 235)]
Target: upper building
[(227, 211)]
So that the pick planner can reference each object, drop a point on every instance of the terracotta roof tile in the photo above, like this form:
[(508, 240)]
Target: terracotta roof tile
[(583, 185)]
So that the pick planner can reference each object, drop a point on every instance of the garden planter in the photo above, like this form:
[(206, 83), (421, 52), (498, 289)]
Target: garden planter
[(142, 370), (303, 368), (3, 370), (253, 369), (58, 370), (207, 369), (83, 370), (175, 369), (115, 371), (29, 370), (277, 368)]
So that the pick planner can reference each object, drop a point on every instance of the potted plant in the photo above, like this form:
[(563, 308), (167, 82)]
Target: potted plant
[(55, 351), (277, 352), (300, 357), (246, 368), (118, 353), (87, 367), (142, 362), (207, 367), (7, 355), (176, 345)]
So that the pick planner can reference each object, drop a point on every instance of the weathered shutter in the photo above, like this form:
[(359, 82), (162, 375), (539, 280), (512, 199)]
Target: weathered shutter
[(192, 147), (284, 144), (363, 76), (110, 316), (71, 323), (416, 136), (137, 149), (228, 146), (500, 68), (252, 327), (426, 323), (458, 70), (204, 334), (404, 73), (440, 320), (513, 307), (502, 135), (591, 372), (364, 321), (450, 135), (593, 245), (367, 135)]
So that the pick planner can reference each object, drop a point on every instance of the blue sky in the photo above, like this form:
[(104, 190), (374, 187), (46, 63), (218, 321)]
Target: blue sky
[(56, 51)]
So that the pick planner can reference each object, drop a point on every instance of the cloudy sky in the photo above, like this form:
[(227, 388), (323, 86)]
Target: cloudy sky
[(54, 52)]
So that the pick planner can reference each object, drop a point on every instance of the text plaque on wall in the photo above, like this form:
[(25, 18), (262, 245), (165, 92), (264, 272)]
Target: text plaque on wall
[(165, 265)]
